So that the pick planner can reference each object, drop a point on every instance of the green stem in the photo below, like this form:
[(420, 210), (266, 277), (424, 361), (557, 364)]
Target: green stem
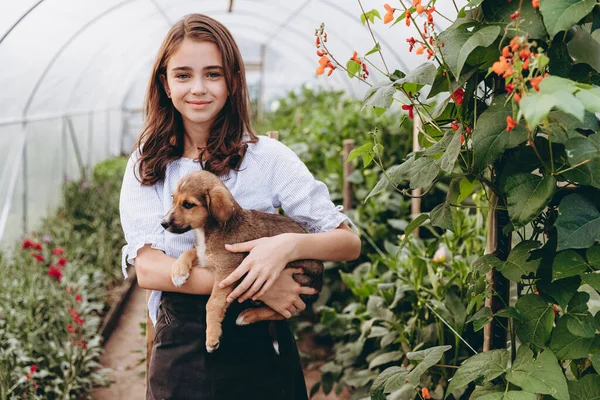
[(573, 167), (373, 36)]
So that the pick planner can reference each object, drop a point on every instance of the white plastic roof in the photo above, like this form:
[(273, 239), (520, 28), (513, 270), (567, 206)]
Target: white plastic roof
[(67, 56)]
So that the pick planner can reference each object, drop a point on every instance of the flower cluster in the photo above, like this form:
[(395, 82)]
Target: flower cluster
[(365, 71), (324, 61), (428, 42), (55, 269)]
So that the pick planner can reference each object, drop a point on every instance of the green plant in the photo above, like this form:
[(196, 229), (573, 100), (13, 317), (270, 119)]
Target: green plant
[(516, 92)]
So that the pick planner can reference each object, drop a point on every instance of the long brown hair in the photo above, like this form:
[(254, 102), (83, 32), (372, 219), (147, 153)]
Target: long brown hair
[(162, 139)]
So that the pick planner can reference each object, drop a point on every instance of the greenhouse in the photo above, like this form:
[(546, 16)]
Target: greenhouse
[(440, 157)]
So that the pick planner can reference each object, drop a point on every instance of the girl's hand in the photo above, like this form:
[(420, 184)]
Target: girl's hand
[(284, 296), (268, 257)]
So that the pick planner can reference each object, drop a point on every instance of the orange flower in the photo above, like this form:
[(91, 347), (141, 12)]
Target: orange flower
[(420, 9), (407, 18), (416, 3), (318, 42), (430, 11), (506, 52), (429, 53), (524, 53), (535, 82), (514, 43), (517, 97), (499, 67), (454, 126), (509, 71), (389, 15), (425, 393), (535, 3), (510, 124), (420, 50), (526, 64), (323, 61)]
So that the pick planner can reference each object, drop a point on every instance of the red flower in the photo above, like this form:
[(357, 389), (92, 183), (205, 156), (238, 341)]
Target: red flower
[(78, 320), (27, 244), (454, 126), (517, 97), (468, 129), (410, 108), (69, 289), (535, 82), (70, 328), (38, 246), (58, 251), (33, 368), (78, 298), (429, 12), (62, 261), (84, 345), (73, 313), (54, 272), (535, 3), (458, 96), (510, 124), (514, 15), (39, 257), (407, 18), (510, 87), (411, 41)]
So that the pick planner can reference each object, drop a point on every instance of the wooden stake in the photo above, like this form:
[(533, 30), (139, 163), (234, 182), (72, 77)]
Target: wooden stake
[(348, 146), (415, 202)]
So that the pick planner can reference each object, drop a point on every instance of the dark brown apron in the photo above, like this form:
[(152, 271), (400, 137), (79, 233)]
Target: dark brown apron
[(245, 366)]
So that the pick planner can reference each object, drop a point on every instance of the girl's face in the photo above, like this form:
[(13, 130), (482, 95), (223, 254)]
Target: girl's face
[(195, 82)]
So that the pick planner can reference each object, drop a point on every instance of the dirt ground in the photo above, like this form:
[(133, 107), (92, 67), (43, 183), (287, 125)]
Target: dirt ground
[(123, 354)]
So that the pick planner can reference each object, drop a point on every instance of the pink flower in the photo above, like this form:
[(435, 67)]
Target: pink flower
[(78, 298)]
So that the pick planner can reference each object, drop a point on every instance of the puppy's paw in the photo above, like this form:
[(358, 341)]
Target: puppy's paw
[(180, 272), (212, 345), (240, 320)]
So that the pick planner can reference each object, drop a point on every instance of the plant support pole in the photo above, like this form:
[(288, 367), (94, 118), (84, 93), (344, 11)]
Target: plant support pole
[(348, 146)]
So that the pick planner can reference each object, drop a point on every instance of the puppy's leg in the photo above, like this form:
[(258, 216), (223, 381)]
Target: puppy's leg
[(215, 313), (253, 315), (180, 270)]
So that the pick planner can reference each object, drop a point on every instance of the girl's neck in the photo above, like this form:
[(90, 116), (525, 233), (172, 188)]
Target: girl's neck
[(194, 141)]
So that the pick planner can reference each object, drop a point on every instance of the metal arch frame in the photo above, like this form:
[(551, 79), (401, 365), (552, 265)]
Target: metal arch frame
[(20, 19)]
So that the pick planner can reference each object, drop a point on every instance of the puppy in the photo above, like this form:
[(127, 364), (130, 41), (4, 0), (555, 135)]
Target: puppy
[(202, 202)]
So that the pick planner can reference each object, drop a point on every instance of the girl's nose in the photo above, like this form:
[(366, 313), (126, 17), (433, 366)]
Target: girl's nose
[(199, 87)]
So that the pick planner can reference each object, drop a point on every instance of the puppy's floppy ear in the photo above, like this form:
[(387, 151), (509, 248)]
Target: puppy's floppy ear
[(219, 203)]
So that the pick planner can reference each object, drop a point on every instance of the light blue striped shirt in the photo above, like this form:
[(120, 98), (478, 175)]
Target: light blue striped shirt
[(271, 176)]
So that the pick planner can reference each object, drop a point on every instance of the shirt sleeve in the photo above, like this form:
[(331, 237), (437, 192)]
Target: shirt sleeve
[(141, 211), (300, 195)]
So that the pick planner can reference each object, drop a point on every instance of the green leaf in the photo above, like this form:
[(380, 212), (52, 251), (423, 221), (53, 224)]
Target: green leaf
[(538, 317), (578, 223), (561, 291), (424, 74), (414, 224), (484, 263), (536, 107), (590, 99), (392, 373), (379, 95), (489, 365), (542, 375), (592, 256), (596, 361), (374, 49), (449, 157), (357, 152), (466, 189), (587, 388), (567, 263), (423, 171), (527, 195), (516, 264), (584, 49), (561, 15), (429, 358), (567, 346), (353, 68), (531, 24), (481, 318), (581, 325), (441, 145), (482, 38), (593, 280), (510, 395), (581, 148), (490, 137), (510, 312), (441, 216), (454, 40), (386, 358)]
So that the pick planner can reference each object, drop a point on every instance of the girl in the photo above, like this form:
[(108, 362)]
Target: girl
[(197, 116)]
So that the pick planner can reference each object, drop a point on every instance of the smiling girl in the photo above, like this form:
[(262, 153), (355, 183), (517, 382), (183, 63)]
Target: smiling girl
[(197, 117)]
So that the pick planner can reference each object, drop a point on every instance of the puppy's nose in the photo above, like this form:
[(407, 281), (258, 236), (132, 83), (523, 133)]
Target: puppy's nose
[(164, 224)]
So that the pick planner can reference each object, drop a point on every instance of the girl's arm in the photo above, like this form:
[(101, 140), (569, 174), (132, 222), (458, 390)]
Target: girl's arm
[(269, 256)]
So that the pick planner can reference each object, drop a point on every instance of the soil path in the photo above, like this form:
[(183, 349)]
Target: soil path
[(123, 353)]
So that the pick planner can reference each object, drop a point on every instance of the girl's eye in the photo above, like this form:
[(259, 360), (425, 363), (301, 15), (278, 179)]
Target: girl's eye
[(213, 75), (187, 205), (182, 76)]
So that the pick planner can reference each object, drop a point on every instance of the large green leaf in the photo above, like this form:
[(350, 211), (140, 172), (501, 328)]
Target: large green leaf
[(510, 395), (392, 376), (449, 157), (424, 74), (423, 171), (584, 49), (567, 346), (486, 262), (567, 263), (541, 375), (483, 37), (499, 12), (489, 364), (517, 264), (527, 195), (560, 15), (428, 357), (538, 317), (581, 148), (386, 358), (590, 98), (561, 291), (442, 216), (578, 223), (380, 95), (454, 39), (592, 256), (536, 107), (587, 388), (593, 280), (490, 137)]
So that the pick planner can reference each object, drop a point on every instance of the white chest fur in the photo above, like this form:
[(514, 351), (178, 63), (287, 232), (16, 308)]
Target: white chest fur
[(201, 247)]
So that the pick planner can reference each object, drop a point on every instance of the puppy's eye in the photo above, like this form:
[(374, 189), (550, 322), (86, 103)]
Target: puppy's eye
[(187, 205)]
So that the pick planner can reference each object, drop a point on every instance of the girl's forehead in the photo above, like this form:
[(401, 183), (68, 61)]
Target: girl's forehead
[(195, 54)]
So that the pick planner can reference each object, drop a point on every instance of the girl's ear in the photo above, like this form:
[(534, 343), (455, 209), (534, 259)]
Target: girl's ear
[(165, 84)]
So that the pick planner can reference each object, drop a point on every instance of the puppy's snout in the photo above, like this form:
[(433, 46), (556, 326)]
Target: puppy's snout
[(164, 224)]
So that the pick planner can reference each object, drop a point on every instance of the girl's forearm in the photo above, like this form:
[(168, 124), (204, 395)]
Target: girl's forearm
[(153, 269), (340, 244)]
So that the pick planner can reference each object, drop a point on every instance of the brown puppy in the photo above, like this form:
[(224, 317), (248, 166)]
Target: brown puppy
[(203, 203)]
